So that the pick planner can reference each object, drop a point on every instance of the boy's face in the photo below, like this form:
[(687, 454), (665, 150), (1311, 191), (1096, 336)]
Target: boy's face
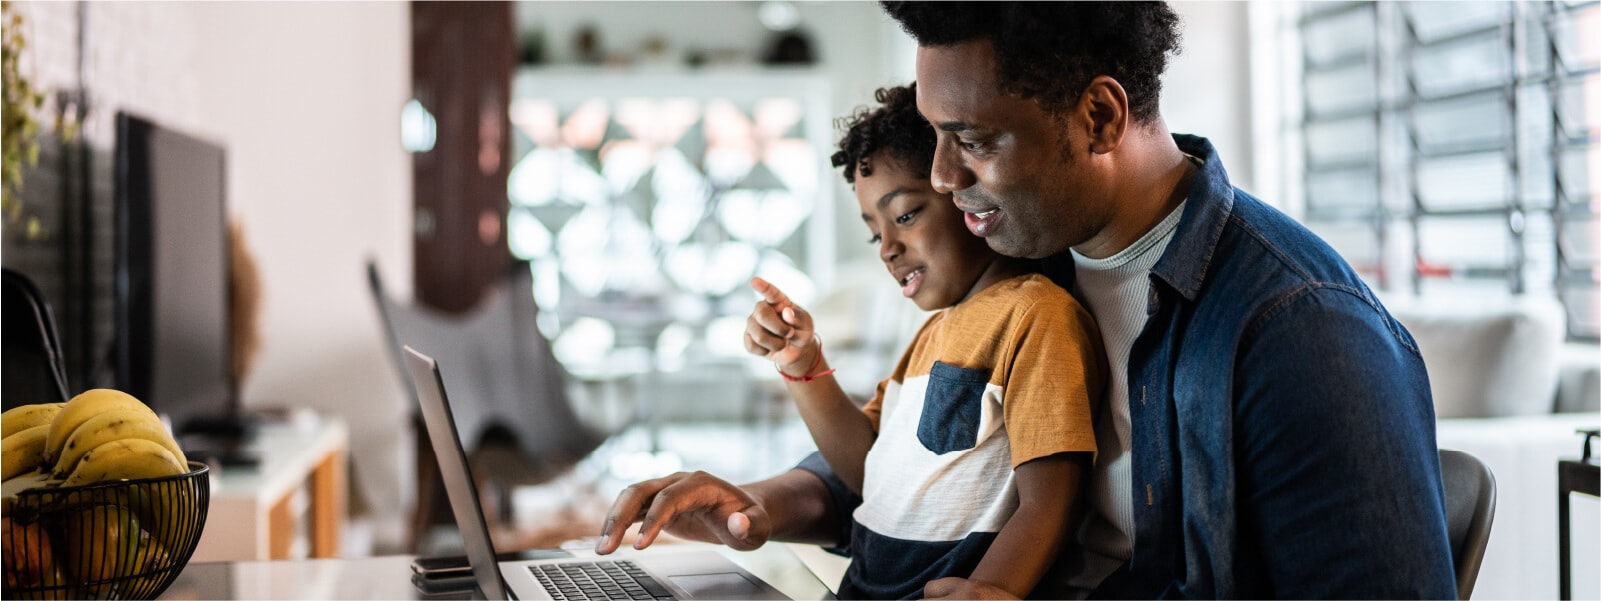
[(920, 235)]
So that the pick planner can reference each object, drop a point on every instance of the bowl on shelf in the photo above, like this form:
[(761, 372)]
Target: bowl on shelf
[(127, 539)]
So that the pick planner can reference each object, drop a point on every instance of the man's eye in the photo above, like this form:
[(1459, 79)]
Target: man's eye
[(906, 217)]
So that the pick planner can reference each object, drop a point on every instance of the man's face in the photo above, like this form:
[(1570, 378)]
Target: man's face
[(1012, 167), (919, 235)]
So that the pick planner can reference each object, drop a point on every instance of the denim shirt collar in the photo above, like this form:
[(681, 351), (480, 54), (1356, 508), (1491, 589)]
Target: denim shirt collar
[(1206, 210), (1184, 264)]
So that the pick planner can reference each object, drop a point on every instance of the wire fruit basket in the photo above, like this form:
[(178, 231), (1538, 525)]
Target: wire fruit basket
[(114, 540)]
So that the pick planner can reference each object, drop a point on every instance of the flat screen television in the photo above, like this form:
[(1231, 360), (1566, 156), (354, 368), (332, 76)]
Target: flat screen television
[(172, 340)]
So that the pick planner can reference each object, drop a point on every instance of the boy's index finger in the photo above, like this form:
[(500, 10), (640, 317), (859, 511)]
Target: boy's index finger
[(769, 292)]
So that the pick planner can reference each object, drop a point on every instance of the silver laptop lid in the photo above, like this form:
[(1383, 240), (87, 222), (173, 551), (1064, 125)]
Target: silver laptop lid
[(459, 487)]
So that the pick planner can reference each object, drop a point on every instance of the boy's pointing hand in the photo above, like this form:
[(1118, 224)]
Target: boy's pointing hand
[(780, 330)]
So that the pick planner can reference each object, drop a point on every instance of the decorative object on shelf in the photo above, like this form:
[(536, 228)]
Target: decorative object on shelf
[(792, 47), (244, 298), (531, 46), (586, 45)]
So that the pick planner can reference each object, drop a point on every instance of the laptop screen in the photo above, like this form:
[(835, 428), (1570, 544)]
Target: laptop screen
[(424, 372)]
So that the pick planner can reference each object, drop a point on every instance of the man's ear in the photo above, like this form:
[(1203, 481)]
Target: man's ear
[(1106, 105)]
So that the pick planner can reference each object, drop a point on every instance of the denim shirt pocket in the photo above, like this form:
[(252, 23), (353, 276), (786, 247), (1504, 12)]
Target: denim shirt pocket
[(952, 408)]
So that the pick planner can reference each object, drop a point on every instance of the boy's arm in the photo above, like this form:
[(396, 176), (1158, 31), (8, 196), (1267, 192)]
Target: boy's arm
[(1048, 500), (843, 433), (781, 331)]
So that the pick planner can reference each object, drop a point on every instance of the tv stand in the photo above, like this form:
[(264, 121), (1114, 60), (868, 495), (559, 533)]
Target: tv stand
[(236, 426), (225, 440), (290, 505)]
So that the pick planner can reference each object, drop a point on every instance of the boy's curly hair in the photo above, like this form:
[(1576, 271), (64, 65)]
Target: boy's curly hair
[(894, 127), (1049, 51)]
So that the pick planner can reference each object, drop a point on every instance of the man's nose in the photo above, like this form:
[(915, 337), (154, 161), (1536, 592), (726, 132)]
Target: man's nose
[(949, 174)]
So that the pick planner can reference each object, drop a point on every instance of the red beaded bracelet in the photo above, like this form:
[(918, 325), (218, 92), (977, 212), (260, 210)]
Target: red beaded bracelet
[(809, 374)]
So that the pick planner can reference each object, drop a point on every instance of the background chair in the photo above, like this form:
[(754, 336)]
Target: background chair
[(32, 371), (1469, 511), (508, 394)]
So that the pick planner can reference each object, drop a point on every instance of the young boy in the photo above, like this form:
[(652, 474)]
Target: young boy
[(961, 457)]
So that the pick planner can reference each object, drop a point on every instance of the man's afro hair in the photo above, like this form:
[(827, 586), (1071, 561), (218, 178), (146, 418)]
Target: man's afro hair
[(1049, 51)]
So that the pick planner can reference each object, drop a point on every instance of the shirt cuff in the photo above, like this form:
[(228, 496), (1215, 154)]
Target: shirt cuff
[(845, 501)]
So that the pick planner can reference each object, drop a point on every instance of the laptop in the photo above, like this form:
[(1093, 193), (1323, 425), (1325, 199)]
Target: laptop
[(654, 574)]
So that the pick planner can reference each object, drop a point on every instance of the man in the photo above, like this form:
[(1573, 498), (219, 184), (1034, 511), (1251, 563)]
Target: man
[(1269, 430)]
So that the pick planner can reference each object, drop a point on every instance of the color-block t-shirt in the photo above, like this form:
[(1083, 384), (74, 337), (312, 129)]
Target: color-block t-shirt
[(1002, 378)]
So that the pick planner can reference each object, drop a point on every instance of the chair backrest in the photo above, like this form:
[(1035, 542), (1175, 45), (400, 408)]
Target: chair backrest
[(1469, 511), (506, 375), (32, 371)]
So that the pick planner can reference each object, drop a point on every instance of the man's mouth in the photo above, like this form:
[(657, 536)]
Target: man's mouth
[(981, 223)]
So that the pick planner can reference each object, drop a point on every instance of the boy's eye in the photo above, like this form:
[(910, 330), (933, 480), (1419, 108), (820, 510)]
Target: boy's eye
[(907, 216), (875, 239)]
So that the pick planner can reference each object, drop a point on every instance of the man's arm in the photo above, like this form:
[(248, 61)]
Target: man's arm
[(1337, 471), (800, 506), (794, 506)]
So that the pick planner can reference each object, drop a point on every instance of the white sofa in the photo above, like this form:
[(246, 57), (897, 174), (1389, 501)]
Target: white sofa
[(1510, 391)]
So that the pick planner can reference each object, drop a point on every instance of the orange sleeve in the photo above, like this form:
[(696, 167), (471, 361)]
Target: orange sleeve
[(1055, 374)]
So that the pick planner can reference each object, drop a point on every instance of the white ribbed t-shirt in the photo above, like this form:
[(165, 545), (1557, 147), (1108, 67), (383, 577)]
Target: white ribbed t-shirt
[(1115, 291)]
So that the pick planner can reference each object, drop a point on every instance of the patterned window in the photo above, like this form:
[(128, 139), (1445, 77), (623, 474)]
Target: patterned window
[(645, 202), (1450, 147)]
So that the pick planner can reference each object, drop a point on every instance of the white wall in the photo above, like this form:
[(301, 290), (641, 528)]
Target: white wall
[(306, 97), (1207, 88)]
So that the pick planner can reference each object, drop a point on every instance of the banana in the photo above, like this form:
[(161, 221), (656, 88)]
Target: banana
[(27, 416), (79, 409), (22, 451), (112, 425), (125, 459)]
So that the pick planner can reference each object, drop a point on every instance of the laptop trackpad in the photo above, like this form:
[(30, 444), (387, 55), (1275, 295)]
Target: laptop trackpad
[(731, 585)]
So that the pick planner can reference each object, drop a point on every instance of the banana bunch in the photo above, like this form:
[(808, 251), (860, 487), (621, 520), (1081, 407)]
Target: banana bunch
[(98, 436), (95, 545)]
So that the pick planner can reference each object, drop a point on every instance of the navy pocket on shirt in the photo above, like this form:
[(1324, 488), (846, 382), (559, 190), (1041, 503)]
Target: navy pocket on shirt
[(952, 407)]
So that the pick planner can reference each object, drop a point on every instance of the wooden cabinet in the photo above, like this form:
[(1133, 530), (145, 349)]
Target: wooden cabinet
[(290, 506)]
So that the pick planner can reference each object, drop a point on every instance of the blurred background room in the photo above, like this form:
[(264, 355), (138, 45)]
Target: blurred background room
[(564, 202)]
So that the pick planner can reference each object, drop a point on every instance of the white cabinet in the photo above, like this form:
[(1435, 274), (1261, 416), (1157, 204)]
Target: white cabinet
[(291, 505)]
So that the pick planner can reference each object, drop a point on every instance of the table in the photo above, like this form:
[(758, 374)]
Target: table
[(1582, 475), (1521, 559), (291, 505), (389, 577)]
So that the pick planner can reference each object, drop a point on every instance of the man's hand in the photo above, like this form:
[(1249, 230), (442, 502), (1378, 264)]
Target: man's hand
[(962, 588), (695, 506), (781, 331)]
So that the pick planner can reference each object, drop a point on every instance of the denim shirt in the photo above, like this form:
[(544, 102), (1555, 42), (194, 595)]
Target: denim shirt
[(1283, 430)]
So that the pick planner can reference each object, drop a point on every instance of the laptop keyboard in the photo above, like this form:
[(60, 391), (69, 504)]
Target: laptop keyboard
[(620, 579)]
